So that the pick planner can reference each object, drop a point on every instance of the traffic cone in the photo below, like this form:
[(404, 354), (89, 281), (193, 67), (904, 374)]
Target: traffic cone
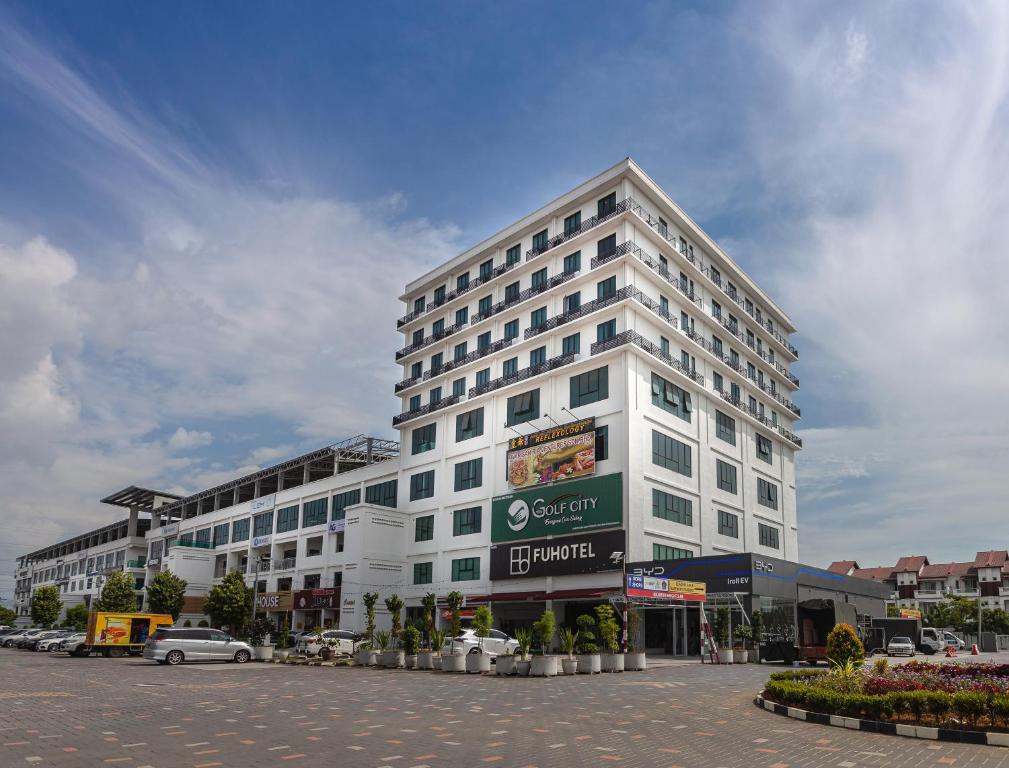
[(973, 650), (950, 651)]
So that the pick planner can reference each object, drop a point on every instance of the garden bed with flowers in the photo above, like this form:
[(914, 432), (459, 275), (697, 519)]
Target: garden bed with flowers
[(951, 696)]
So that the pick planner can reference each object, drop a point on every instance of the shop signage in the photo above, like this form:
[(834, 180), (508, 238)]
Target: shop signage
[(572, 507), (261, 541), (563, 556), (910, 613), (562, 453), (665, 589), (337, 526), (262, 504), (274, 601), (168, 530), (314, 599)]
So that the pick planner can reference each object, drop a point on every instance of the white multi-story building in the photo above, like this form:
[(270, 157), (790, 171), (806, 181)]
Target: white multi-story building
[(598, 382)]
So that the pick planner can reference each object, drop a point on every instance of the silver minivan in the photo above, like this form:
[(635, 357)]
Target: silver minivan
[(169, 645)]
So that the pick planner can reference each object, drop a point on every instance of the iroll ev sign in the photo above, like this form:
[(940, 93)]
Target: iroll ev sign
[(574, 506), (563, 556)]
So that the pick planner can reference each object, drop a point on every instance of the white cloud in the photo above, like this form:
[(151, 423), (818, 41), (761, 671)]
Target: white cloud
[(184, 439)]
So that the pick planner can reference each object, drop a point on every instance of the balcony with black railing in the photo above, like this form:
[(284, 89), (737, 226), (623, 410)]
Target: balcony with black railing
[(629, 248), (499, 270), (755, 414), (521, 296), (635, 338), (451, 365), (627, 292), (526, 373), (429, 340), (416, 413), (585, 226)]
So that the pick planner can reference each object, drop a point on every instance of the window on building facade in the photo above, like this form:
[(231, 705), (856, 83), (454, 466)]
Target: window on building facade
[(765, 449), (460, 351), (462, 316), (314, 512), (602, 443), (439, 294), (728, 524), (607, 205), (572, 262), (483, 377), (459, 387), (725, 475), (540, 240), (513, 255), (416, 370), (422, 485), (673, 508), (437, 360), (767, 535), (240, 530), (606, 288), (572, 302), (469, 424), (523, 407), (590, 387), (671, 398), (434, 395), (414, 402), (343, 500), (484, 305), (287, 519), (767, 493), (511, 329), (382, 494), (418, 305), (423, 573), (670, 453), (664, 552), (466, 521), (483, 340), (468, 474), (466, 569), (510, 366), (570, 344), (725, 427), (512, 292), (717, 382), (462, 282), (572, 223), (487, 269), (262, 525), (606, 330), (538, 356), (424, 528), (539, 278), (606, 247), (221, 534), (423, 438), (438, 327), (538, 317)]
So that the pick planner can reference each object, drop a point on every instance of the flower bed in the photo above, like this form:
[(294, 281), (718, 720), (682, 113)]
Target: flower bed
[(968, 696)]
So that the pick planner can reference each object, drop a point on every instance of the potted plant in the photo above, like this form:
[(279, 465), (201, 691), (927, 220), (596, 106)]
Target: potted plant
[(411, 644), (525, 639), (479, 661), (283, 644), (366, 652), (544, 665), (588, 652), (455, 661), (609, 630), (569, 639), (757, 627), (259, 633), (634, 659), (721, 630), (743, 634), (437, 641), (382, 641), (425, 656), (395, 656), (504, 664)]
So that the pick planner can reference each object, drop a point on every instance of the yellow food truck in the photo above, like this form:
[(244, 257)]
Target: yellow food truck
[(116, 634)]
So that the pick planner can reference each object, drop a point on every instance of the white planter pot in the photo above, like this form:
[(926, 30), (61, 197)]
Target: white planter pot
[(262, 652), (754, 656), (569, 666), (436, 662), (477, 663), (635, 661), (282, 653), (394, 659), (522, 668), (543, 666), (367, 658), (589, 663), (740, 656), (425, 660), (411, 661), (613, 662), (505, 665), (453, 663), (724, 655)]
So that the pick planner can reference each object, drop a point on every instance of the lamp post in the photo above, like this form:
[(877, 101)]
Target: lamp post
[(255, 582)]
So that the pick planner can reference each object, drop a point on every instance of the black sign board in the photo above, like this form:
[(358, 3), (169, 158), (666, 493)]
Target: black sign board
[(554, 433), (561, 556)]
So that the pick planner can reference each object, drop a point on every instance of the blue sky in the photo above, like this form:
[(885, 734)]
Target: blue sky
[(207, 211)]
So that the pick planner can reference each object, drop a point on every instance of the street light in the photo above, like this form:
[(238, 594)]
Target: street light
[(255, 581)]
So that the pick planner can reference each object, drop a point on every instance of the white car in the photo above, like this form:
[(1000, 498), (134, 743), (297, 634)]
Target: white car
[(72, 643), (52, 643), (955, 641), (495, 644), (900, 646), (340, 640)]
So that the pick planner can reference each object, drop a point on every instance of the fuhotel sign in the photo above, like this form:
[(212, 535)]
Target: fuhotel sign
[(573, 507), (566, 555)]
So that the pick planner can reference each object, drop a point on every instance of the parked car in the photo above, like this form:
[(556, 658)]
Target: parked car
[(29, 637), (340, 640), (52, 641), (495, 644), (72, 643), (955, 641), (900, 646), (32, 644), (169, 645), (8, 641)]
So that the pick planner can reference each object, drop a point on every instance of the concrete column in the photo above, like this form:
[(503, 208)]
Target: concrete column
[(131, 528)]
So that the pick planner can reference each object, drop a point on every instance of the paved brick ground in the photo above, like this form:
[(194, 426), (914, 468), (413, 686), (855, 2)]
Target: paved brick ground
[(60, 711)]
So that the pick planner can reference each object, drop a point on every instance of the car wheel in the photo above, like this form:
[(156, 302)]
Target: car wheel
[(475, 651), (116, 653), (174, 657), (242, 657)]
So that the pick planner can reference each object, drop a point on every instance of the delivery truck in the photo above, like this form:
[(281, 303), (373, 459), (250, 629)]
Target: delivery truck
[(816, 617), (117, 634), (927, 640)]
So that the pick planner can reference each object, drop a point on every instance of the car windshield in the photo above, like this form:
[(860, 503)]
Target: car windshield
[(902, 640)]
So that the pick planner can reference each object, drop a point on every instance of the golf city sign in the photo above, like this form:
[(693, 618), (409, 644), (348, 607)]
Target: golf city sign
[(575, 506)]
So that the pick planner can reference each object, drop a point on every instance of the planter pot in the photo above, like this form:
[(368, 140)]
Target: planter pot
[(505, 665), (724, 655), (436, 662), (366, 658), (477, 663), (411, 661), (754, 656), (425, 660), (262, 652), (740, 656), (394, 659), (281, 653), (326, 653), (569, 666), (543, 666), (635, 661), (612, 662), (522, 668), (589, 663), (453, 663)]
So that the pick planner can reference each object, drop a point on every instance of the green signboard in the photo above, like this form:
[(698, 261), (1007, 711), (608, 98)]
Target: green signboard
[(573, 506)]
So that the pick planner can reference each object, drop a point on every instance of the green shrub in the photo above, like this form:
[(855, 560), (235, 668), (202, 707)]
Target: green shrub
[(938, 704), (411, 639), (880, 665), (586, 634), (797, 674), (843, 645), (1000, 710), (970, 705)]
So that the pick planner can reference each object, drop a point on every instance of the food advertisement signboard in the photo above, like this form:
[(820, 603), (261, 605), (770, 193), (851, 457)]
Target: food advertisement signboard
[(665, 589), (577, 506), (562, 453)]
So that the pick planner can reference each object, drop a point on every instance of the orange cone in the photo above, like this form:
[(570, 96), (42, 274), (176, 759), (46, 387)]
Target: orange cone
[(950, 651), (974, 650)]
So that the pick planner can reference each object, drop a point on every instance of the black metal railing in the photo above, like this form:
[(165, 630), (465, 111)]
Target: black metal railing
[(526, 373), (472, 285), (635, 338), (659, 268), (427, 341), (476, 354), (528, 293), (585, 226), (406, 383), (445, 402)]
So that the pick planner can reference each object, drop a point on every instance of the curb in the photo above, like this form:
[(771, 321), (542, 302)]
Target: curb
[(989, 738)]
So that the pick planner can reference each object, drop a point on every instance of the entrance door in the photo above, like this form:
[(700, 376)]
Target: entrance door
[(679, 630)]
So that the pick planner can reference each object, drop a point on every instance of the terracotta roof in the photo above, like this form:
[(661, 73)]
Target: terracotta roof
[(910, 564), (880, 573), (842, 566), (942, 570), (996, 558)]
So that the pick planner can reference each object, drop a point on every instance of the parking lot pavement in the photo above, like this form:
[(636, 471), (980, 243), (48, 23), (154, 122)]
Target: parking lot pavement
[(59, 711)]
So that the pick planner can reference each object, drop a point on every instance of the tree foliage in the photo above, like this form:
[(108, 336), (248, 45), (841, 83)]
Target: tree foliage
[(46, 605), (118, 594), (843, 646), (455, 601), (7, 616), (166, 593), (76, 617), (369, 599), (230, 603), (394, 604)]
